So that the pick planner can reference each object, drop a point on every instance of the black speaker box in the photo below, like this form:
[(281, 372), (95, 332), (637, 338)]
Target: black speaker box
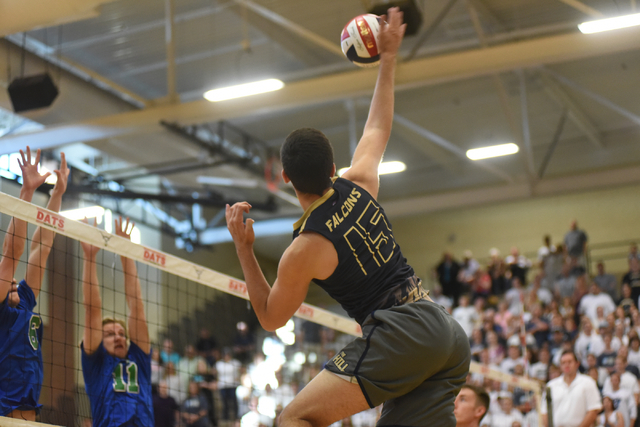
[(412, 13), (30, 93)]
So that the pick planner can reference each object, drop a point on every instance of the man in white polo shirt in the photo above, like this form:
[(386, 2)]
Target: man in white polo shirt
[(576, 399)]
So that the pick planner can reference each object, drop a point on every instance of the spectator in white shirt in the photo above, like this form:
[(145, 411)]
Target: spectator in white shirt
[(623, 400), (228, 380), (634, 352), (466, 315), (627, 379), (588, 342), (610, 416), (594, 299), (539, 369), (508, 415), (468, 268), (575, 397), (513, 359)]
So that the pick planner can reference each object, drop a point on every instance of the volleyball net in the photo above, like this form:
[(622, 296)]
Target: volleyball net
[(195, 316)]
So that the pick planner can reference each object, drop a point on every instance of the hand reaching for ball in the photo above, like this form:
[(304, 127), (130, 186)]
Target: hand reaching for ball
[(391, 32)]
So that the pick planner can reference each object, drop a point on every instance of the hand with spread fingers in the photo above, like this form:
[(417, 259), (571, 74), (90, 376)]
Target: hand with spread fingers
[(241, 232), (62, 175), (31, 178), (124, 229)]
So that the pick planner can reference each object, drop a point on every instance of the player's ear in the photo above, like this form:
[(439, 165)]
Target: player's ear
[(285, 177), (333, 171), (480, 411)]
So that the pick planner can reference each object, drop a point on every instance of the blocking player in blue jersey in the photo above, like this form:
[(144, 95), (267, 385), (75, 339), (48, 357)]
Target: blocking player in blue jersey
[(116, 356), (21, 328)]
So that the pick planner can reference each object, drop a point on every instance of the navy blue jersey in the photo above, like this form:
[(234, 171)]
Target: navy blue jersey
[(371, 267), (119, 389), (20, 353)]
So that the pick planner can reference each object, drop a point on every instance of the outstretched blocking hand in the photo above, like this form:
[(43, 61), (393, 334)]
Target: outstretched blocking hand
[(241, 232), (89, 250), (124, 229), (31, 178), (63, 176), (391, 32)]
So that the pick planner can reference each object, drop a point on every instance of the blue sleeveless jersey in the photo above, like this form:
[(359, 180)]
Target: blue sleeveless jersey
[(119, 389), (20, 353)]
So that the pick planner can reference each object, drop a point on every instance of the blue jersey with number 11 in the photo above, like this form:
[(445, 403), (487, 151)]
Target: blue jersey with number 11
[(119, 389)]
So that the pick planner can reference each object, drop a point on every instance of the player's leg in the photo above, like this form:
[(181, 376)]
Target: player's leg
[(325, 400), (23, 415)]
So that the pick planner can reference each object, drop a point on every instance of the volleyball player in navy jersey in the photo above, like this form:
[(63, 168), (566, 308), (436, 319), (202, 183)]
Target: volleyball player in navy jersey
[(116, 356), (412, 355), (21, 369)]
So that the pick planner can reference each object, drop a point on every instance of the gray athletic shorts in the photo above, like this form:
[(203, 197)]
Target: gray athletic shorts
[(413, 357)]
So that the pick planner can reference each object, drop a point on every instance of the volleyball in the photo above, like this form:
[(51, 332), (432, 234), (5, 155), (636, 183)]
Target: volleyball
[(359, 40)]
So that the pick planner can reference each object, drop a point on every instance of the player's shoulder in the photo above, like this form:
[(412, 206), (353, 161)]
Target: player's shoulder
[(27, 297)]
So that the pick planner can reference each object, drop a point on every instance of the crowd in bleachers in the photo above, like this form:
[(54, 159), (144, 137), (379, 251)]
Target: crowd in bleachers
[(519, 314), (522, 328), (208, 386)]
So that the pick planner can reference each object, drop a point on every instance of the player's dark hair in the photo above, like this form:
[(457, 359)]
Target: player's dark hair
[(307, 159), (482, 397)]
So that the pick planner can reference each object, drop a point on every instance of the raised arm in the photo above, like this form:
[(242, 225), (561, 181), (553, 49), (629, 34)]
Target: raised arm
[(16, 235), (92, 336), (304, 260), (377, 130), (42, 240), (138, 330)]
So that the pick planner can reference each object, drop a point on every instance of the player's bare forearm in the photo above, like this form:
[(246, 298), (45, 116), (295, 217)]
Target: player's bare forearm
[(92, 304), (41, 245), (257, 285), (138, 327)]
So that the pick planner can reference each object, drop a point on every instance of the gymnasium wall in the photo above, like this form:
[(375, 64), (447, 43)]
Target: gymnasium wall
[(606, 215)]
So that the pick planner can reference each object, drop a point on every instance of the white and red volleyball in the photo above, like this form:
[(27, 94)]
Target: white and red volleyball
[(359, 40)]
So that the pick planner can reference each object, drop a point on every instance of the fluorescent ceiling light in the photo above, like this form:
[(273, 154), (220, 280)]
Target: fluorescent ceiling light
[(609, 24), (493, 151), (384, 168), (246, 89), (81, 213)]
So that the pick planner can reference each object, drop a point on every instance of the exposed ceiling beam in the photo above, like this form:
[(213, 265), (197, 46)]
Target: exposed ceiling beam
[(23, 15), (292, 26), (522, 139), (410, 75), (588, 10), (140, 28), (526, 130), (170, 44), (553, 145), (282, 36), (424, 35), (52, 56), (575, 113), (596, 97), (447, 145)]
